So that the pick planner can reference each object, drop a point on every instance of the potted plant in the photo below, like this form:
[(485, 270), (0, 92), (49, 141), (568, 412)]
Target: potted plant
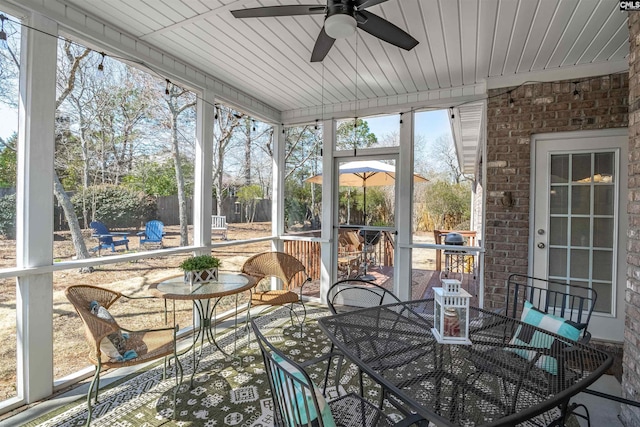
[(201, 268)]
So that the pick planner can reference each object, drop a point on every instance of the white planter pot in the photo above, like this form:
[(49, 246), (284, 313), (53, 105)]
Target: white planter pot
[(199, 276)]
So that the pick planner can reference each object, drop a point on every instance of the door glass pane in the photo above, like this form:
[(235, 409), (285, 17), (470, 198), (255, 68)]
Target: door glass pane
[(557, 262), (581, 168), (603, 303), (558, 202), (560, 168), (602, 265), (603, 199), (579, 260), (604, 167), (580, 199), (580, 230), (558, 231), (586, 207), (603, 232)]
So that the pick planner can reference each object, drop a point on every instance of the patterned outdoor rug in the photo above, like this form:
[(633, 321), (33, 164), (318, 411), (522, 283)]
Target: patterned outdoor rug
[(226, 391)]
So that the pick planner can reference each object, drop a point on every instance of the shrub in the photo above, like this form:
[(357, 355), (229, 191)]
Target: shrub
[(116, 206), (8, 216)]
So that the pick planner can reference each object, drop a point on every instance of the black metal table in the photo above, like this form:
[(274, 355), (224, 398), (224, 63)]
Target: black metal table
[(482, 384)]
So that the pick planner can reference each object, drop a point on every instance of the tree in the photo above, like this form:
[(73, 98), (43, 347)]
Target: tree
[(444, 155), (248, 195), (226, 121), (179, 101), (352, 135), (8, 161)]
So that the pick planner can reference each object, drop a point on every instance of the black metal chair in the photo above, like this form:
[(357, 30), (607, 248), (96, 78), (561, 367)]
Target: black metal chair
[(298, 402), (352, 294), (571, 302)]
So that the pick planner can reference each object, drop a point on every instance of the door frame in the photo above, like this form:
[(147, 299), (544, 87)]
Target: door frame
[(606, 327), (335, 225)]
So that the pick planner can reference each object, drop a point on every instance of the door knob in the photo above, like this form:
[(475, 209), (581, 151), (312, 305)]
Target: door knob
[(541, 245)]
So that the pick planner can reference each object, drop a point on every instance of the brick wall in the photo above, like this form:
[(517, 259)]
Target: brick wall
[(511, 120), (630, 366)]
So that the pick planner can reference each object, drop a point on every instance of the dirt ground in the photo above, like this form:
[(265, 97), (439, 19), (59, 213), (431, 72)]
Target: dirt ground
[(131, 278)]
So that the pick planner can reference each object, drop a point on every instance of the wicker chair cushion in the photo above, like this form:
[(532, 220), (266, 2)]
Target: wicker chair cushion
[(115, 344), (276, 297)]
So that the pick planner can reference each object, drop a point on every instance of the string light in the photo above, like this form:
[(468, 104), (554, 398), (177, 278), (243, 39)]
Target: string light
[(316, 126), (101, 64), (576, 92), (166, 89), (215, 116), (453, 116), (401, 117), (3, 34), (254, 125)]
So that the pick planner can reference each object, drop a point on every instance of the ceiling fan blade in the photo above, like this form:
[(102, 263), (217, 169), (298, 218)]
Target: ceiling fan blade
[(361, 4), (263, 12), (384, 30), (322, 46)]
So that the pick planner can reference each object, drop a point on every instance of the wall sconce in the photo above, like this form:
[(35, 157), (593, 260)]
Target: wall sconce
[(507, 199)]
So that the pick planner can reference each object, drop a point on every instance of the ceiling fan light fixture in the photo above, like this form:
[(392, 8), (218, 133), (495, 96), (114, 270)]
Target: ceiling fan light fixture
[(340, 26)]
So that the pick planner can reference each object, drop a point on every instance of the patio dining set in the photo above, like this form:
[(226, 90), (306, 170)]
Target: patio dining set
[(522, 364)]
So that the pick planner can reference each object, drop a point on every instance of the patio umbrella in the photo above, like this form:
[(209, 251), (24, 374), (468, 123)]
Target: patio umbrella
[(366, 173)]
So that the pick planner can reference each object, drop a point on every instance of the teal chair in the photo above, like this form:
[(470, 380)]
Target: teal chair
[(107, 239), (152, 234)]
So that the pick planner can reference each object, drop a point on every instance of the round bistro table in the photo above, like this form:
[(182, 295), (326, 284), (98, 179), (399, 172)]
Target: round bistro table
[(205, 297)]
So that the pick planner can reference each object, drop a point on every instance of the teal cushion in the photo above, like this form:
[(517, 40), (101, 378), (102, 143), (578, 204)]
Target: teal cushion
[(529, 338), (297, 410)]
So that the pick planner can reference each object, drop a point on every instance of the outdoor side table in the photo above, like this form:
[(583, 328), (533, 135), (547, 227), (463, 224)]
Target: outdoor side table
[(483, 384), (205, 297)]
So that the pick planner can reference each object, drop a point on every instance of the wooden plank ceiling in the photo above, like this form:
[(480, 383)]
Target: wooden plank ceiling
[(461, 43)]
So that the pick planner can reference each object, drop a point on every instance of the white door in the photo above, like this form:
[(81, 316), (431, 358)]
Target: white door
[(579, 218)]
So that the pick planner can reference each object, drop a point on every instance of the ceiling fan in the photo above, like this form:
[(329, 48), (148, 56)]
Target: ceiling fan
[(341, 19)]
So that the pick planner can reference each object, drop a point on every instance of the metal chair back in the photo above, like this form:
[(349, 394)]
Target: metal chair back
[(288, 381), (572, 302), (350, 294)]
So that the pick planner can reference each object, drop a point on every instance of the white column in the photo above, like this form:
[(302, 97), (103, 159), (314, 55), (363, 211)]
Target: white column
[(328, 249), (34, 210), (402, 282), (202, 197), (277, 198)]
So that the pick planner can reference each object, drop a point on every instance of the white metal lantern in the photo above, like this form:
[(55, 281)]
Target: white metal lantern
[(451, 319)]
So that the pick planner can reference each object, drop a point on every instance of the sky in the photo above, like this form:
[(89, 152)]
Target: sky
[(8, 121), (429, 124)]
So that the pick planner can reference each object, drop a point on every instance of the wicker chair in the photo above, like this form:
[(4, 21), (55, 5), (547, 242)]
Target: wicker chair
[(286, 268), (148, 344)]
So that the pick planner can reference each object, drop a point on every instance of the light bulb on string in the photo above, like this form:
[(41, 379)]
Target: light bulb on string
[(101, 64), (166, 89), (3, 34)]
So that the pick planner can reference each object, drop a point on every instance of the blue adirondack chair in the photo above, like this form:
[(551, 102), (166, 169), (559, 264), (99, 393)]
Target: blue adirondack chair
[(106, 238), (152, 234)]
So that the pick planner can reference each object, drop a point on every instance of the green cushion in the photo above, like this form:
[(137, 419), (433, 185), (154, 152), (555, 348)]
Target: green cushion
[(529, 338), (296, 410)]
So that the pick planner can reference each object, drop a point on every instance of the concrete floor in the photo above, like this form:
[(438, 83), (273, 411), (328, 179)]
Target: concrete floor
[(603, 412)]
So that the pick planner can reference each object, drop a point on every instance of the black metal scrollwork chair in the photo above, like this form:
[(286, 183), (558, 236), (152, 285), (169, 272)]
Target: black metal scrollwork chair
[(573, 303), (352, 294), (298, 402)]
